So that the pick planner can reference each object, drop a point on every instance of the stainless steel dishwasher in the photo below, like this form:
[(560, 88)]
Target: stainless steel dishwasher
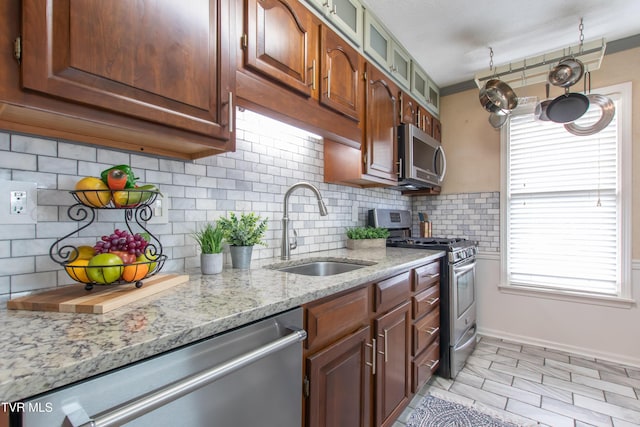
[(251, 376)]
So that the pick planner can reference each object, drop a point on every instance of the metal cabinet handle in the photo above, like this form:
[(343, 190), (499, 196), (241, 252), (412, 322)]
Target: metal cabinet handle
[(433, 301), (432, 330), (313, 75), (162, 396), (433, 364), (373, 356), (230, 112), (334, 11), (329, 84), (385, 352)]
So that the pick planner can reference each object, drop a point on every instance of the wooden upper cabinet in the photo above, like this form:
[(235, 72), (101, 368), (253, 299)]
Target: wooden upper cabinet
[(437, 130), (339, 78), (408, 111), (380, 139), (160, 61), (279, 44), (425, 121)]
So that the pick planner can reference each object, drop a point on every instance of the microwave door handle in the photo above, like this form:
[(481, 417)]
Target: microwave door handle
[(444, 164)]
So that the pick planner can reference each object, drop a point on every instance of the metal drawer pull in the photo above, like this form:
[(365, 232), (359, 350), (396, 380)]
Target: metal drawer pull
[(432, 330), (373, 356), (230, 112), (162, 396), (433, 364), (433, 300)]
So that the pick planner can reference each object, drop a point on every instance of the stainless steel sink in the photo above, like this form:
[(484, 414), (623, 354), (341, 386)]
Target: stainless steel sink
[(322, 268)]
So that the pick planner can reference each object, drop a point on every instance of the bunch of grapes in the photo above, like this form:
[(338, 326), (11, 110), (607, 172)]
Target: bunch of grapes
[(121, 240)]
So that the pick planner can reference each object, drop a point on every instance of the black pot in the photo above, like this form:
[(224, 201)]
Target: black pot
[(567, 108)]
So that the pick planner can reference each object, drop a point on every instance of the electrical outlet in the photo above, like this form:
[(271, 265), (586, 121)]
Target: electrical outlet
[(160, 209), (18, 202)]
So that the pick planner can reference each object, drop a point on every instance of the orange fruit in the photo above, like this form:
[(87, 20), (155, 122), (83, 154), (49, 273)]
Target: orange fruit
[(134, 272), (77, 270), (92, 191)]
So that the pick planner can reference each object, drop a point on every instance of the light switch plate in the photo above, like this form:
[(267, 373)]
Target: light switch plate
[(18, 202)]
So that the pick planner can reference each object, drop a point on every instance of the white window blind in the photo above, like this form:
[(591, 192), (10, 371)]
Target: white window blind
[(563, 213)]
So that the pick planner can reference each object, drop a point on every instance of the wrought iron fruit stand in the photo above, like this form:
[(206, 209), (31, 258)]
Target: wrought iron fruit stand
[(136, 206)]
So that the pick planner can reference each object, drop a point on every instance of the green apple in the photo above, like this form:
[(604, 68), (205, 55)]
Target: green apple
[(147, 257), (105, 268)]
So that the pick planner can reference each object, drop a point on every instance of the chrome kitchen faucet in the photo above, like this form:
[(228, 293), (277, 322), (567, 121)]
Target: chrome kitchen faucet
[(285, 252)]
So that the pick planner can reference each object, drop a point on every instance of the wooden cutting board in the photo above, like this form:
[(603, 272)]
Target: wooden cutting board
[(75, 299)]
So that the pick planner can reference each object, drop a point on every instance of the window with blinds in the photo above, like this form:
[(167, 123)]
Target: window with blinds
[(563, 206)]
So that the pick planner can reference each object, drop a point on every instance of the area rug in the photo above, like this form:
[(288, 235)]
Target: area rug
[(435, 412)]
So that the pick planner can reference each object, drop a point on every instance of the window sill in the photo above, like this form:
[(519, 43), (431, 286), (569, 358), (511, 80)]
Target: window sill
[(576, 297)]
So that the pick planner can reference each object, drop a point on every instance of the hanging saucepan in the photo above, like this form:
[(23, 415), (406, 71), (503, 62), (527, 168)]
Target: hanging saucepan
[(498, 119), (567, 73), (541, 107), (607, 108), (496, 95)]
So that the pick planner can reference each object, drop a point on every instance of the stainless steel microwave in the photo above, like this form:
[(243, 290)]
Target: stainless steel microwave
[(422, 162)]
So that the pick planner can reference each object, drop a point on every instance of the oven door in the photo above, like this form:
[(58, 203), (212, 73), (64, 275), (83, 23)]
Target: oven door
[(462, 304)]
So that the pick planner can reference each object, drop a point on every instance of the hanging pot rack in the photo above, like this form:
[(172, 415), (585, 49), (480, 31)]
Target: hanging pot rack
[(536, 69)]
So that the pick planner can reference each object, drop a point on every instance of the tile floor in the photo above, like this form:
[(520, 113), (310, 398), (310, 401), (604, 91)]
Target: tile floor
[(530, 386)]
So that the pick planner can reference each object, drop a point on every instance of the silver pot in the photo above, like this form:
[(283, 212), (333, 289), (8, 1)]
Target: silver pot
[(498, 119), (496, 95), (567, 73)]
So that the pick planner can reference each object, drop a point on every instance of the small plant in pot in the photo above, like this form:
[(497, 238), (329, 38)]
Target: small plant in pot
[(210, 238), (366, 237), (242, 233)]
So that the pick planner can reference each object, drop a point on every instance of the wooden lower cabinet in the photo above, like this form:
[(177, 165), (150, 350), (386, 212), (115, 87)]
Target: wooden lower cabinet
[(370, 349), (393, 381), (339, 379)]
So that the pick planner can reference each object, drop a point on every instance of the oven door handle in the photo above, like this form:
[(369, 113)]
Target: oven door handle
[(163, 396), (457, 270)]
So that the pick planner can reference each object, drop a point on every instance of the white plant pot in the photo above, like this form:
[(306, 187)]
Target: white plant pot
[(366, 243), (211, 263)]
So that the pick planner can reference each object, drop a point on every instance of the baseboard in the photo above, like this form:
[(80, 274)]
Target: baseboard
[(578, 351)]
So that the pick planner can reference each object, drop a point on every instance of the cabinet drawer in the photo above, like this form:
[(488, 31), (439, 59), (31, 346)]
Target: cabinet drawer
[(331, 319), (426, 301), (426, 276), (425, 365), (426, 330), (392, 292)]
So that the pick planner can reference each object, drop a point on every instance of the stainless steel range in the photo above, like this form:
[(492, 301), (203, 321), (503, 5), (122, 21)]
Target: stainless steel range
[(457, 285)]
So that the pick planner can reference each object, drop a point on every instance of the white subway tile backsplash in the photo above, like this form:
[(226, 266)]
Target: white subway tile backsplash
[(5, 139), (144, 162), (112, 158), (13, 266), (55, 165), (33, 145), (74, 151), (17, 231), (18, 161), (5, 248)]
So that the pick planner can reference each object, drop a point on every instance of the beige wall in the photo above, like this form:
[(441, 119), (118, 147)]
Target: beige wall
[(473, 146), (473, 155)]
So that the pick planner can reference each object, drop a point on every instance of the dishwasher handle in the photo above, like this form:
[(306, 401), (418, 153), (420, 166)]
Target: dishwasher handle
[(162, 396)]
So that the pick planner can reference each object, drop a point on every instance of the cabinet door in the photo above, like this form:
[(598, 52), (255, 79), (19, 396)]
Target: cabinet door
[(419, 83), (154, 60), (339, 82), (425, 121), (400, 65), (377, 41), (277, 42), (347, 16), (393, 376), (380, 127), (433, 99), (408, 109), (437, 130), (340, 383)]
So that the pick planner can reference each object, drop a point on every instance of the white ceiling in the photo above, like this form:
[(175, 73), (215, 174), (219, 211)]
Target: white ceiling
[(451, 38)]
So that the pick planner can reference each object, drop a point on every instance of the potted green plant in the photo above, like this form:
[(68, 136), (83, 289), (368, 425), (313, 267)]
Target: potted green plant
[(366, 237), (242, 233), (210, 238)]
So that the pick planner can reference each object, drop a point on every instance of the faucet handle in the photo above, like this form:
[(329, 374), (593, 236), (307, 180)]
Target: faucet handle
[(295, 240)]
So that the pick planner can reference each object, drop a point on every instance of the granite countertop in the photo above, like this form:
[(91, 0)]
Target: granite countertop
[(43, 350)]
